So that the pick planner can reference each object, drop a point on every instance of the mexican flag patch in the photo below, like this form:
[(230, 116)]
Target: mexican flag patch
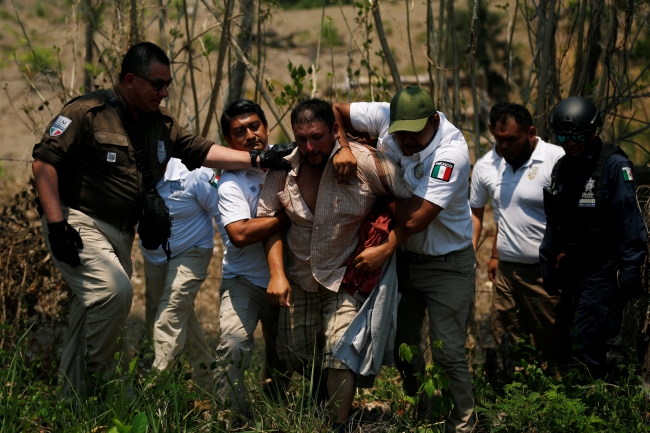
[(442, 170), (214, 181), (59, 126), (628, 176)]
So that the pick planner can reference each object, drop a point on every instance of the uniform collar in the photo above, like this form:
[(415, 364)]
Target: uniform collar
[(120, 98), (537, 155)]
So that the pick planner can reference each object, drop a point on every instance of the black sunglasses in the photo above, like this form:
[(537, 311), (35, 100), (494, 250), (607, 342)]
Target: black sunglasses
[(564, 138), (158, 84)]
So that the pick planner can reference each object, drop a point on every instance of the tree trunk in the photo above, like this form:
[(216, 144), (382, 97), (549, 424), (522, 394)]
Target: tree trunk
[(245, 39), (134, 36), (90, 19), (394, 72), (223, 49), (548, 35)]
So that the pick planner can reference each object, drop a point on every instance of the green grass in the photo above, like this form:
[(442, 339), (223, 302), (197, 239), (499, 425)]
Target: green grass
[(136, 402)]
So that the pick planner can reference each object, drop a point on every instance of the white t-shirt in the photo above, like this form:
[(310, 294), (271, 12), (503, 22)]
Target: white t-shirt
[(439, 174), (484, 180), (519, 197), (239, 191), (192, 203)]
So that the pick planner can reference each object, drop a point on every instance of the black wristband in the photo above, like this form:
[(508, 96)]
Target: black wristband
[(254, 155), (495, 257)]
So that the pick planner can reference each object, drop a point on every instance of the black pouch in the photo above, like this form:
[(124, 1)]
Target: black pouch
[(155, 226)]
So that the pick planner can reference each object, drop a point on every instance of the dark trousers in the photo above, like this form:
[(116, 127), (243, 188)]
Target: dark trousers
[(592, 306)]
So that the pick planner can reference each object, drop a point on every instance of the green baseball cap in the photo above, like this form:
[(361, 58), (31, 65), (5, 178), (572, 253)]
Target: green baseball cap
[(409, 110)]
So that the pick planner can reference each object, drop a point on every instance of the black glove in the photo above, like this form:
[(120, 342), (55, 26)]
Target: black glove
[(64, 241), (630, 290), (272, 158)]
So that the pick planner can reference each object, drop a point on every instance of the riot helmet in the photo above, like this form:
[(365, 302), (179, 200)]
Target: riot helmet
[(574, 117)]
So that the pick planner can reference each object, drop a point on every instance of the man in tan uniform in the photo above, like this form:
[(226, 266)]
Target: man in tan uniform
[(92, 196)]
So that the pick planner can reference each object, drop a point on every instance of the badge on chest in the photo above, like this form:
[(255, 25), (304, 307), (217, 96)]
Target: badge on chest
[(177, 187), (588, 197)]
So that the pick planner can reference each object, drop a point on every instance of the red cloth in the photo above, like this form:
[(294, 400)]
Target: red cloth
[(374, 230)]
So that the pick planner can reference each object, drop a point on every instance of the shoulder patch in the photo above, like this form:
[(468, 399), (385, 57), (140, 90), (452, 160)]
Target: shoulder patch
[(628, 175), (59, 126), (442, 170), (214, 180)]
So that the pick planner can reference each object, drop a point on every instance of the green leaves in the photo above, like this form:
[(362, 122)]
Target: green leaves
[(139, 424)]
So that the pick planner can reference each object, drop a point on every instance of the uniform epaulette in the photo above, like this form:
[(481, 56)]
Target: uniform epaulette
[(90, 100)]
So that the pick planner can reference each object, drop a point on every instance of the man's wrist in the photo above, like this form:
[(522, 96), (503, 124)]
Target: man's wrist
[(495, 257), (255, 158)]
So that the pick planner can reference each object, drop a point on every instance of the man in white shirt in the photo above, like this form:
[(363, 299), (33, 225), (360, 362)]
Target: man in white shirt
[(243, 298), (520, 305), (436, 272), (484, 180), (173, 285)]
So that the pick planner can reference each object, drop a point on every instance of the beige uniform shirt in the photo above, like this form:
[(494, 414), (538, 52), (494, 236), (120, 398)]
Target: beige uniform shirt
[(95, 160), (319, 245)]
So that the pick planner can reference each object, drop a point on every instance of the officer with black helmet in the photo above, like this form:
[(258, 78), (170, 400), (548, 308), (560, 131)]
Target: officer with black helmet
[(595, 239)]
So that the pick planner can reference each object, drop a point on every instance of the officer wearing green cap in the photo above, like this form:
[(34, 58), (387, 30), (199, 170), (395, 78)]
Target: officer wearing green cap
[(436, 268)]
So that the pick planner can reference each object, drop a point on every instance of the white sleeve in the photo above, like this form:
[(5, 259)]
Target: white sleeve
[(447, 178), (479, 194), (206, 192), (232, 203), (370, 117)]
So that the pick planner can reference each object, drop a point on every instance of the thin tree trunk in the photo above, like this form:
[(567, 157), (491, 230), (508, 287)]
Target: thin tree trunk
[(190, 65), (471, 62), (442, 79), (511, 32), (162, 17), (456, 72), (547, 57), (589, 65), (408, 34), (580, 24), (392, 66), (223, 49), (245, 39), (90, 19), (134, 36), (431, 41)]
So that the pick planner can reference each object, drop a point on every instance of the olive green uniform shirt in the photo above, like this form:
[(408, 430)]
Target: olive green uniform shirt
[(95, 160)]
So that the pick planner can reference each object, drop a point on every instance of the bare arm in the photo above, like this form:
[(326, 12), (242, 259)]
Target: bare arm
[(226, 158), (342, 116), (373, 258), (477, 221), (47, 185), (414, 214), (251, 231), (279, 289), (493, 264), (345, 164)]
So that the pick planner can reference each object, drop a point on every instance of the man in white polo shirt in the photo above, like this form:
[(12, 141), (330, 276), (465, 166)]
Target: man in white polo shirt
[(484, 180), (245, 270), (436, 272), (520, 304), (173, 285)]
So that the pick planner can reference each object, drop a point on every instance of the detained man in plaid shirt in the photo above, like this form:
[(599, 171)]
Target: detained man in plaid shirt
[(325, 219)]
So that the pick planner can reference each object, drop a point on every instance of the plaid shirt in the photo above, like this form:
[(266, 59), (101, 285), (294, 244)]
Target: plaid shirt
[(318, 245)]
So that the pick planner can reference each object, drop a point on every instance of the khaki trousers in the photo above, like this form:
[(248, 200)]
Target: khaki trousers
[(443, 285), (242, 305), (101, 301), (521, 306), (172, 288)]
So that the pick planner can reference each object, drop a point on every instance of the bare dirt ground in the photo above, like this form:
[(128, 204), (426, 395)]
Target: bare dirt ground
[(297, 32)]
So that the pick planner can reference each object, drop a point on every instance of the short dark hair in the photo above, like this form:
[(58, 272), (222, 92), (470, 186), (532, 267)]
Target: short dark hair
[(139, 58), (235, 109), (518, 113), (313, 110), (496, 111)]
